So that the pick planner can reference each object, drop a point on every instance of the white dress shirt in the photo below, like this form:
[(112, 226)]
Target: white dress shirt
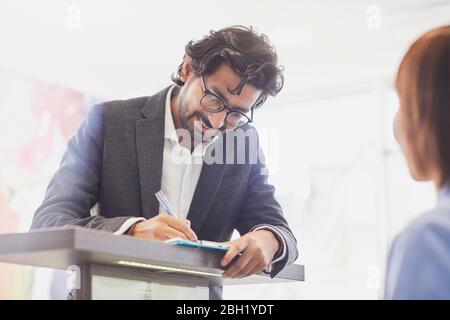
[(180, 174)]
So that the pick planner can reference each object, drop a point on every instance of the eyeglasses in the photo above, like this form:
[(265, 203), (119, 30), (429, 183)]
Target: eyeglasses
[(214, 104)]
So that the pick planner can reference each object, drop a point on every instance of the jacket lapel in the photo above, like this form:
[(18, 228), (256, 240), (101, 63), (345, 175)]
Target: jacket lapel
[(150, 147), (205, 194)]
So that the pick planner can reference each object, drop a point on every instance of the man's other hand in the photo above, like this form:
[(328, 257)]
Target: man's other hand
[(258, 249)]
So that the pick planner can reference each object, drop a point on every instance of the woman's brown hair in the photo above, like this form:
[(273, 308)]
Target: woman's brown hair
[(423, 86)]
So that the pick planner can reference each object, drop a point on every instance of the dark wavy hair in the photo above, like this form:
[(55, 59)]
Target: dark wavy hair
[(249, 54)]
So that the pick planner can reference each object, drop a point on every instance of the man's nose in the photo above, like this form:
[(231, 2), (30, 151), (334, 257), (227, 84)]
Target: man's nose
[(217, 119)]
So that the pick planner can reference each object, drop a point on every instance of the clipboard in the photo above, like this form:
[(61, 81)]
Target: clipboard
[(202, 244)]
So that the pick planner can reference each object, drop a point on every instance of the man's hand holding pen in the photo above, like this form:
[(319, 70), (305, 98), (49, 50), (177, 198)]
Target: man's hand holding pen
[(163, 227)]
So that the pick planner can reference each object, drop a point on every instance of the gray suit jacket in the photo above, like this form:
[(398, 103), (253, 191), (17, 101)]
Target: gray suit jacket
[(115, 161)]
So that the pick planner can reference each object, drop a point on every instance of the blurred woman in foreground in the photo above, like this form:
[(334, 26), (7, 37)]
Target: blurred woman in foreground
[(419, 260)]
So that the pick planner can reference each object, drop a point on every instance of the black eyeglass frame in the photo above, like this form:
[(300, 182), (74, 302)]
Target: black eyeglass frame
[(225, 106)]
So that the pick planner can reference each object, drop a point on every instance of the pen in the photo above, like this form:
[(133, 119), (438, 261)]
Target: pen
[(165, 203), (167, 206)]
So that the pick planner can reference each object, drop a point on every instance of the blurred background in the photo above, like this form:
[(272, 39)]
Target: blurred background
[(339, 173)]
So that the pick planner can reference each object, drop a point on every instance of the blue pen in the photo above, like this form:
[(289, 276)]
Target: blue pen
[(167, 206), (165, 203)]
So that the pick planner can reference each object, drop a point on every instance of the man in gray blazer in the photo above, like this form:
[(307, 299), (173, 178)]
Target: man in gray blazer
[(178, 141)]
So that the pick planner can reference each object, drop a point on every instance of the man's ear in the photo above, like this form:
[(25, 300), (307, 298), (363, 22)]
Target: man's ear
[(186, 69)]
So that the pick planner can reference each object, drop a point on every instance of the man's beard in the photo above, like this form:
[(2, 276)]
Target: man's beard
[(189, 121)]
